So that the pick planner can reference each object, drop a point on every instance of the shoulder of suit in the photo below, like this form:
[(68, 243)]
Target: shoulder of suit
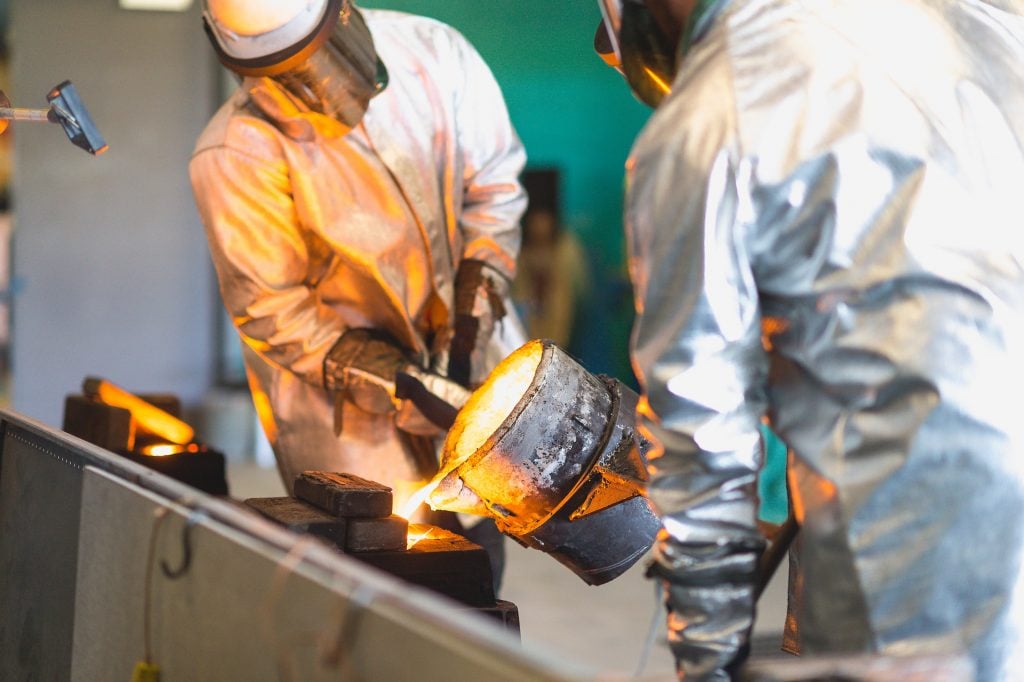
[(422, 35), (239, 126)]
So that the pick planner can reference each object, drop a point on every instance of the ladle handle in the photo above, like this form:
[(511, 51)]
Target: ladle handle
[(434, 408)]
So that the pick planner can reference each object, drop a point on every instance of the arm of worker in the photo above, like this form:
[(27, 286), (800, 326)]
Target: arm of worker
[(492, 204), (369, 368), (262, 254), (697, 351)]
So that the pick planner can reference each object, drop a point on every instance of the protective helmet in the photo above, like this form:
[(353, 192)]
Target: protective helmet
[(267, 37), (319, 50), (630, 40)]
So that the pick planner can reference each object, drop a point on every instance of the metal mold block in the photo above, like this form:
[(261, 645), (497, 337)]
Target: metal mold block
[(375, 535), (302, 517), (344, 494)]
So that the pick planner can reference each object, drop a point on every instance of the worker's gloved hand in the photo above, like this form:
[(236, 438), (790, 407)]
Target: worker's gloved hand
[(479, 292), (361, 368), (429, 401)]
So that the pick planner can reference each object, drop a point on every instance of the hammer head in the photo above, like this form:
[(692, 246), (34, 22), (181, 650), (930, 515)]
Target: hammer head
[(68, 109)]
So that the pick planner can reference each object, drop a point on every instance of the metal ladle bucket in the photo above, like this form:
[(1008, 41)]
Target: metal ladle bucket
[(562, 471)]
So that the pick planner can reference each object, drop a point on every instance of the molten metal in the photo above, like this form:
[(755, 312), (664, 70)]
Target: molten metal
[(166, 449), (491, 404), (417, 532), (419, 497)]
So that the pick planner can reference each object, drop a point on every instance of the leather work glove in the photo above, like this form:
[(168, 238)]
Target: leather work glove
[(479, 291), (362, 368)]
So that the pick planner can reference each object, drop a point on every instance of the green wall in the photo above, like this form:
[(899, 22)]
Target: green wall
[(573, 112)]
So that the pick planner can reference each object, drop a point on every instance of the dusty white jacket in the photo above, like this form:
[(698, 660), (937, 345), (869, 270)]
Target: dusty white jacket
[(315, 229)]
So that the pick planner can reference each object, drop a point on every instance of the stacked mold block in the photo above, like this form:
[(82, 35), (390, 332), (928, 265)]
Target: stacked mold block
[(349, 512), (355, 516)]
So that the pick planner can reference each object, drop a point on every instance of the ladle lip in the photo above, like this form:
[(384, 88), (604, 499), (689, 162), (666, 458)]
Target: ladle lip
[(558, 382), (548, 351)]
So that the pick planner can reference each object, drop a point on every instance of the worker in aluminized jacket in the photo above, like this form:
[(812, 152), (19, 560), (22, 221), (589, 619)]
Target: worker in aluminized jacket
[(850, 170), (360, 195)]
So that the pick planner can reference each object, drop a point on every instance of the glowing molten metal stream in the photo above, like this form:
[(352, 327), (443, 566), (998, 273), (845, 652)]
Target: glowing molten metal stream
[(417, 532), (418, 498), (167, 449)]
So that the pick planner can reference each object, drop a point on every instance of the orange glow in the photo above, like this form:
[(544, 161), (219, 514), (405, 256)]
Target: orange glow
[(418, 498), (261, 401), (610, 59), (147, 417), (656, 79), (771, 327), (490, 405), (417, 532), (161, 449)]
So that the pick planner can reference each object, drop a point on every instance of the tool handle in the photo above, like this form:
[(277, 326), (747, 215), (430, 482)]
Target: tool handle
[(13, 114), (778, 544), (433, 407)]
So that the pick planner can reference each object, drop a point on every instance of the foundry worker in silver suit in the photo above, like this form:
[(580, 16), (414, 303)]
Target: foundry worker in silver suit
[(851, 171), (361, 199)]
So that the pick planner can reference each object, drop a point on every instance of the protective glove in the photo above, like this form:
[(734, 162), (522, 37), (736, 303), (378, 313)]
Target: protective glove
[(362, 368), (479, 291)]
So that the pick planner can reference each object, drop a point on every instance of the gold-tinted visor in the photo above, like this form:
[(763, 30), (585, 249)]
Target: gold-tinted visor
[(630, 40), (341, 77)]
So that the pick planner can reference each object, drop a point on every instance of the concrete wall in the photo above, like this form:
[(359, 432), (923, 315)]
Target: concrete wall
[(109, 255)]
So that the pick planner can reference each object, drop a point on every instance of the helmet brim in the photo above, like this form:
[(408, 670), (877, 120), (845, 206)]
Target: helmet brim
[(278, 61)]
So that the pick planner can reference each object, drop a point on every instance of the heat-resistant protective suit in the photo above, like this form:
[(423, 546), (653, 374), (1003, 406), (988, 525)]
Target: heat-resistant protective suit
[(851, 169), (316, 229)]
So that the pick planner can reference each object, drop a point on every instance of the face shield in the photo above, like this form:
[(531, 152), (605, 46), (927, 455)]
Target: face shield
[(341, 77), (630, 40)]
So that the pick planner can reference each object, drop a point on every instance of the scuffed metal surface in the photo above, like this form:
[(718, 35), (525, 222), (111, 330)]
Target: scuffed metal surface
[(544, 462), (539, 454)]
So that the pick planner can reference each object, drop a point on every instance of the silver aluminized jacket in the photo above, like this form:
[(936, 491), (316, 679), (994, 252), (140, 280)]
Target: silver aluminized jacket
[(315, 229), (852, 170)]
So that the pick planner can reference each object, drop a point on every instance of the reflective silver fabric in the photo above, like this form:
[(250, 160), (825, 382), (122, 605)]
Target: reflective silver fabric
[(851, 170), (314, 228)]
